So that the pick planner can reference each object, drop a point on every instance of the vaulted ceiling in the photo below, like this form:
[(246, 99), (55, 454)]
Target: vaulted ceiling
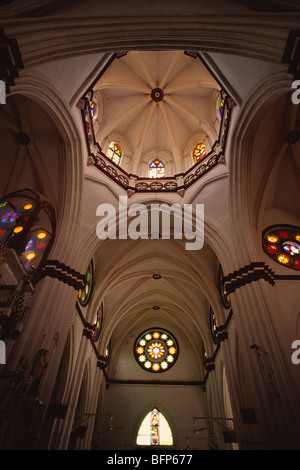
[(157, 104)]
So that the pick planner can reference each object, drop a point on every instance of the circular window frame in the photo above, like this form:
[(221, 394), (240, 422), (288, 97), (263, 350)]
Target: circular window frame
[(163, 359), (277, 231)]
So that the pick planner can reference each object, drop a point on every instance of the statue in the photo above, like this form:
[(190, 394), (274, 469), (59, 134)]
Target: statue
[(38, 367)]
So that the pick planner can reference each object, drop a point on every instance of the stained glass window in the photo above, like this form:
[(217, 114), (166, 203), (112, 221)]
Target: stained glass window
[(85, 293), (213, 325), (224, 295), (154, 430), (156, 350), (219, 108), (27, 225), (94, 109), (282, 244), (35, 248), (98, 323), (114, 152), (156, 168), (199, 152)]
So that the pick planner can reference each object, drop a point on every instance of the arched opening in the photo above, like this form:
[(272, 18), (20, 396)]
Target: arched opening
[(154, 430)]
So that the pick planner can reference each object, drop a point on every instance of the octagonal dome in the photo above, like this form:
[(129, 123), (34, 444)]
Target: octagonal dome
[(156, 105)]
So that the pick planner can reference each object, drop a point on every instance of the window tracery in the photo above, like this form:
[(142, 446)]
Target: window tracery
[(154, 430), (156, 350), (27, 225), (282, 244), (114, 152), (199, 152), (84, 294)]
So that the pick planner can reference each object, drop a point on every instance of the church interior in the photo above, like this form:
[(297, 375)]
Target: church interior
[(150, 225)]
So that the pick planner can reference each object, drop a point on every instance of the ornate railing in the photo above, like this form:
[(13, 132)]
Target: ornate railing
[(136, 184)]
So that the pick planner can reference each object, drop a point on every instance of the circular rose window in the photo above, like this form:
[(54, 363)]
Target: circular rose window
[(282, 244), (156, 350)]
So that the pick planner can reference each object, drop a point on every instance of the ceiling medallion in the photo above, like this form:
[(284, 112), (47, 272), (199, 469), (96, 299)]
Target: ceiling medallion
[(157, 94), (156, 276)]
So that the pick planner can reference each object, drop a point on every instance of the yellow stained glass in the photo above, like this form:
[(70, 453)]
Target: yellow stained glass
[(272, 238), (41, 235), (283, 259)]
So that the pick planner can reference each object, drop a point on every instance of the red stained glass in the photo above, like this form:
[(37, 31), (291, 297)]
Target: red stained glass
[(284, 234), (297, 263), (199, 152), (41, 245), (272, 248)]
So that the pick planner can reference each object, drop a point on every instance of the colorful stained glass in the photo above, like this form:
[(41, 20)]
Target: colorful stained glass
[(98, 323), (156, 168), (224, 295), (213, 326), (219, 108), (156, 350), (154, 430), (199, 152), (292, 248), (281, 244), (114, 153), (19, 229), (84, 294), (35, 248), (94, 109), (10, 217)]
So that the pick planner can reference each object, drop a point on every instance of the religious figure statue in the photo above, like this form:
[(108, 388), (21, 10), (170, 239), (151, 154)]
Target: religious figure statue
[(38, 367)]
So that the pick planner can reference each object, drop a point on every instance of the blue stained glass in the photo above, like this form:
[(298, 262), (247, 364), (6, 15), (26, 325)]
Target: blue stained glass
[(9, 217)]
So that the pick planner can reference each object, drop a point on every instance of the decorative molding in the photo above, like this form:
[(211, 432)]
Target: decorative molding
[(249, 273), (63, 273)]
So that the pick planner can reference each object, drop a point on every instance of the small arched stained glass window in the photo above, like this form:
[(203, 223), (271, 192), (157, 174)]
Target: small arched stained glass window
[(199, 152), (84, 294), (219, 108), (282, 244), (114, 152), (154, 430), (94, 109), (213, 326), (224, 295), (156, 168), (98, 323)]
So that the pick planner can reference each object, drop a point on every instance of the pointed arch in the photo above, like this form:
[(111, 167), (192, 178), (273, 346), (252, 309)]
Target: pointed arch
[(154, 430)]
